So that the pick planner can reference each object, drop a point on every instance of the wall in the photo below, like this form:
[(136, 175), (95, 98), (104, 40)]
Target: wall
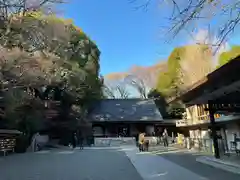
[(98, 131), (42, 139), (114, 141), (121, 141), (149, 129)]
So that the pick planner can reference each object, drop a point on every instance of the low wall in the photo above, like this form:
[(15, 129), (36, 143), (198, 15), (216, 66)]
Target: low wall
[(42, 139), (114, 141), (152, 140), (119, 141)]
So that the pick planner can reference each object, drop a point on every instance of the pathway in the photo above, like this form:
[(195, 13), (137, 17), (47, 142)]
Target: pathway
[(187, 159), (68, 165), (124, 163)]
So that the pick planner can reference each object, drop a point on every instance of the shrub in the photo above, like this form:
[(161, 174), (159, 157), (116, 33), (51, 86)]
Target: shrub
[(21, 144)]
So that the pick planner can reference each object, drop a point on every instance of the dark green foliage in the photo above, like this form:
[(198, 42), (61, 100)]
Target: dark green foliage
[(159, 101), (168, 81), (168, 111), (22, 143), (71, 76)]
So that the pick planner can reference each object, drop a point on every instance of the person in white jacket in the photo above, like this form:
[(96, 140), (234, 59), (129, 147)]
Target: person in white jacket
[(34, 142)]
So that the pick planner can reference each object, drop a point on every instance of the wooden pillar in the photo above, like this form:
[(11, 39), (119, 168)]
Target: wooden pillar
[(213, 129)]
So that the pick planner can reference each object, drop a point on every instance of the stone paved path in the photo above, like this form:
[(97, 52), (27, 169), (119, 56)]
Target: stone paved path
[(124, 163), (68, 165), (187, 160)]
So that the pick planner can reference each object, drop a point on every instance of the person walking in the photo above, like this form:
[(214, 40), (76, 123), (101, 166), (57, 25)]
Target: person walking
[(165, 138)]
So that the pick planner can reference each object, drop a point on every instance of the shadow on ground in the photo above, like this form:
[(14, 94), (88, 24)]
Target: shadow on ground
[(188, 160)]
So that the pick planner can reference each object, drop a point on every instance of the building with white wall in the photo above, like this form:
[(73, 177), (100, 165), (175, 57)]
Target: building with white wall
[(213, 108)]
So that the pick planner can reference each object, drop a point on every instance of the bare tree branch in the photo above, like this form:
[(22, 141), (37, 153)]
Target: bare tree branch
[(109, 92), (138, 84), (123, 93), (10, 7), (185, 13)]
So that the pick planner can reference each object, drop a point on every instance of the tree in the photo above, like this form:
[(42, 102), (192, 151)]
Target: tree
[(160, 101), (169, 81), (168, 111), (147, 74), (39, 64), (118, 91), (138, 84), (20, 72), (138, 78), (10, 7), (188, 14), (225, 57), (123, 93), (186, 66), (196, 63), (109, 92)]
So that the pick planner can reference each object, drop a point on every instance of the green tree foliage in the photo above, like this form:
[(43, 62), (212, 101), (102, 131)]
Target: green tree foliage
[(159, 101), (193, 61), (45, 58), (168, 81), (225, 57), (168, 111)]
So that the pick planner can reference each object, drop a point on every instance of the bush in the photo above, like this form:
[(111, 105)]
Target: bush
[(21, 144)]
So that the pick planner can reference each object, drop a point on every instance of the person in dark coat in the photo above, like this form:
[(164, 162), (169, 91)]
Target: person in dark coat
[(165, 138), (136, 139), (74, 142), (80, 140), (146, 145)]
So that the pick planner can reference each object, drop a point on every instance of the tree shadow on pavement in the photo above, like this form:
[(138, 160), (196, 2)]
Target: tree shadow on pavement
[(188, 161)]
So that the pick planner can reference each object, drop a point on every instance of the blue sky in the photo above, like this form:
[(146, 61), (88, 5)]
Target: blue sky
[(125, 36)]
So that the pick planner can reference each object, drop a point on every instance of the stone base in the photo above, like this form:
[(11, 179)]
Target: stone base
[(114, 141)]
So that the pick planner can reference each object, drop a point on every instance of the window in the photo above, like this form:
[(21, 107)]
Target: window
[(202, 113)]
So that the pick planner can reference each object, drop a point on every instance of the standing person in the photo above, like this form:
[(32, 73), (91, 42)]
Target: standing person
[(80, 140), (165, 138), (141, 141), (136, 138), (146, 145), (74, 141), (34, 142)]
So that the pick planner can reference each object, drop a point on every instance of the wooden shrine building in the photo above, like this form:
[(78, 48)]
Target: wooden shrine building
[(214, 103), (126, 117)]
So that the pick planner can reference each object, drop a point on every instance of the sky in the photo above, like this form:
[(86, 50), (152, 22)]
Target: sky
[(124, 35)]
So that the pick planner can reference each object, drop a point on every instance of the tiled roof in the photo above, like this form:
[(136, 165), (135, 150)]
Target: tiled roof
[(125, 110)]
